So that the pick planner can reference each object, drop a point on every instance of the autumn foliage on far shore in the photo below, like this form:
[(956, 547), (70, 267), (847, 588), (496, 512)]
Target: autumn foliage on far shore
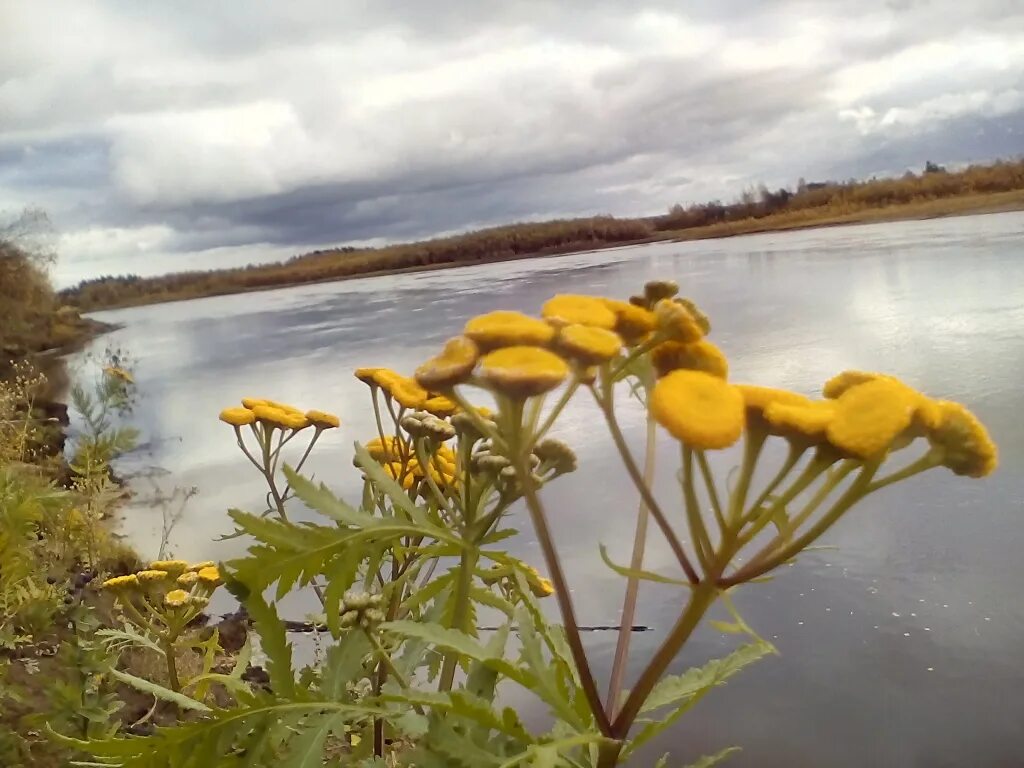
[(811, 202)]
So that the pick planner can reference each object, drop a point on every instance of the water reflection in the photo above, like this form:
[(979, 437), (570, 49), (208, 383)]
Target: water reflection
[(900, 648)]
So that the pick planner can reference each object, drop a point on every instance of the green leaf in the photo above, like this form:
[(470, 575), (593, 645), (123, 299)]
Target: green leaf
[(399, 498), (460, 642), (545, 687), (320, 498), (274, 642), (676, 688), (683, 691), (344, 664), (159, 691), (639, 573), (307, 750), (726, 627)]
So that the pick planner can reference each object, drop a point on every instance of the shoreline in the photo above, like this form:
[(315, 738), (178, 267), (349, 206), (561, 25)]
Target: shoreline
[(941, 208)]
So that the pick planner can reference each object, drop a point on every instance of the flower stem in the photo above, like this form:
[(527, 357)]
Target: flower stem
[(636, 563), (701, 598), (698, 532), (752, 444), (761, 566), (172, 666), (562, 594), (463, 586), (795, 452), (709, 482), (645, 492)]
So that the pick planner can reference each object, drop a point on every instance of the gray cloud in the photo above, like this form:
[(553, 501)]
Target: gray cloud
[(193, 134)]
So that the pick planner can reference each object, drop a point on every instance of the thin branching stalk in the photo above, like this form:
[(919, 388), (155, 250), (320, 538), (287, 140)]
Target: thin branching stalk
[(562, 595), (636, 563), (606, 407)]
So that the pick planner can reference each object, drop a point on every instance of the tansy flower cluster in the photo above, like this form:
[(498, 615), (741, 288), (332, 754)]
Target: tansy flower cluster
[(273, 425), (166, 593), (504, 577), (658, 340)]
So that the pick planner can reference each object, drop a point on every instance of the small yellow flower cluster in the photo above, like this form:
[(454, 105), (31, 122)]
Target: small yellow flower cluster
[(398, 461), (165, 584), (539, 585), (864, 415), (520, 356), (275, 415)]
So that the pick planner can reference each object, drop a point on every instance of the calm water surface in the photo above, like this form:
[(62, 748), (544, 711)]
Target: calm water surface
[(903, 645)]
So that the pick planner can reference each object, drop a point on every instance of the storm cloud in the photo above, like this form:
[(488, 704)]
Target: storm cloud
[(186, 135)]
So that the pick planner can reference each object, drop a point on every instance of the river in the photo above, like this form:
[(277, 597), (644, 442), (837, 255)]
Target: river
[(902, 644)]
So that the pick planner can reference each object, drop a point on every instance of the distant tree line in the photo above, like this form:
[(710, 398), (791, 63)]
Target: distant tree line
[(838, 197), (485, 245), (809, 202)]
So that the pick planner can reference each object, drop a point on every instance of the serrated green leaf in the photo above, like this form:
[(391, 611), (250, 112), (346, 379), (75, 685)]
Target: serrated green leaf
[(683, 691), (344, 664), (307, 749), (274, 642), (533, 656), (460, 642), (166, 694), (676, 688), (320, 498), (727, 627), (399, 498)]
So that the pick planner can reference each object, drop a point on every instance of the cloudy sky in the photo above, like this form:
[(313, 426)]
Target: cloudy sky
[(173, 135)]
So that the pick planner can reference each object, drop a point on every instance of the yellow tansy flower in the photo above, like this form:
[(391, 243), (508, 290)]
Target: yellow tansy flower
[(323, 419), (283, 407), (368, 375), (209, 575), (188, 578), (441, 406), (200, 566), (542, 587), (656, 290), (632, 323), (699, 355), (408, 393), (176, 598), (274, 416), (152, 575), (406, 477), (700, 409), (841, 382), (757, 398), (810, 420), (237, 417), (523, 371), (171, 566), (967, 447), (572, 309), (451, 367), (588, 344), (121, 582), (507, 329), (870, 416), (539, 585), (702, 320), (252, 402), (677, 322)]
